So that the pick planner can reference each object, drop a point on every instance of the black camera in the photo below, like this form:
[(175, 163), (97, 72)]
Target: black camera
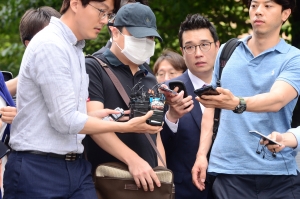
[(141, 102)]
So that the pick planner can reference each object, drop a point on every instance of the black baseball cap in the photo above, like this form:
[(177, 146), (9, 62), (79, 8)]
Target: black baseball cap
[(138, 19)]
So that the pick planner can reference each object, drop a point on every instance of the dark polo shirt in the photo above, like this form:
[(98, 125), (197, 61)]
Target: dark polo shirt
[(102, 89)]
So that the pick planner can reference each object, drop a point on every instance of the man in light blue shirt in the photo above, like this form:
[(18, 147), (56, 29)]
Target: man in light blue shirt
[(47, 131), (264, 71)]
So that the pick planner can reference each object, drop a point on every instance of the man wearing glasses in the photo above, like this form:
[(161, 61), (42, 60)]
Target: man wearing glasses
[(46, 134), (199, 45), (111, 20)]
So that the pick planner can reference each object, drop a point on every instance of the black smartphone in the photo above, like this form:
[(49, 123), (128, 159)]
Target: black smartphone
[(262, 136), (206, 90), (167, 89), (180, 85), (7, 75), (3, 149), (117, 116)]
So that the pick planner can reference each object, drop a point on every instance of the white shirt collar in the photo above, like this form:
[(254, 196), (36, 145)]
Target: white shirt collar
[(197, 83)]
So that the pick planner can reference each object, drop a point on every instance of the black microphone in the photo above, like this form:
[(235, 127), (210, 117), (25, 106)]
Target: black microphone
[(257, 151), (274, 153)]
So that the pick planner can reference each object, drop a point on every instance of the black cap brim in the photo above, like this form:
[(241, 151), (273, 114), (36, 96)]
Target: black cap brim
[(141, 32)]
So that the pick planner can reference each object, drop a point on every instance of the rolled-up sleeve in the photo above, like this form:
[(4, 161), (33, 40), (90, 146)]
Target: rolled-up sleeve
[(296, 132), (60, 88)]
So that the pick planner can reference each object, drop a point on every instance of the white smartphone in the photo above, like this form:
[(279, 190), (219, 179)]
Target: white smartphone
[(264, 137)]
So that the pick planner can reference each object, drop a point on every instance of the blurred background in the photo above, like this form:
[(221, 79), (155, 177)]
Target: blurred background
[(230, 18)]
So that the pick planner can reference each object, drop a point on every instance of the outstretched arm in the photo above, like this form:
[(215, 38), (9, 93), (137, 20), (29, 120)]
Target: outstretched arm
[(141, 171), (287, 139), (280, 94), (200, 167)]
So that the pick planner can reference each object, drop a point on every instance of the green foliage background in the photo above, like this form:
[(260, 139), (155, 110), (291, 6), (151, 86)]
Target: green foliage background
[(229, 16)]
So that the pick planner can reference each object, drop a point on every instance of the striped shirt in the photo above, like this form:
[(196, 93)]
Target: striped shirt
[(52, 93)]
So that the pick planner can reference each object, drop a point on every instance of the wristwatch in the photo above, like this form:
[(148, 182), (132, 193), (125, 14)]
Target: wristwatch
[(241, 107)]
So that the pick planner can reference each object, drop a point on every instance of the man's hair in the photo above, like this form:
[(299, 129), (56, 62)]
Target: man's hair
[(124, 2), (35, 20), (286, 4), (196, 22), (66, 4), (173, 58)]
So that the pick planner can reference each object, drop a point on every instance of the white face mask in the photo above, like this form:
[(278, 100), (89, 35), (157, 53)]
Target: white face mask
[(137, 50)]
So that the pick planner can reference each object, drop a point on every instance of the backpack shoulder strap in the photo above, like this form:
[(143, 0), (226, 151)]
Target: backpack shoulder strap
[(224, 57), (113, 78), (226, 53)]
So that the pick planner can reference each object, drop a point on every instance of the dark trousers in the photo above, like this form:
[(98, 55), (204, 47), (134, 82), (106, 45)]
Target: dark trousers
[(30, 176), (257, 187)]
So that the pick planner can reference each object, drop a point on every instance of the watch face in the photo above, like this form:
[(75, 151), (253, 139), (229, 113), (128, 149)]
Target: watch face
[(240, 108)]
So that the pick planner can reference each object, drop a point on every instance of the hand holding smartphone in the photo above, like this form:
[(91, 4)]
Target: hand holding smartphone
[(262, 136), (180, 85), (206, 90), (115, 117), (167, 90)]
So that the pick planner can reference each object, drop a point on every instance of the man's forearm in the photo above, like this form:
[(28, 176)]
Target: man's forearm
[(12, 86), (95, 126), (206, 132), (114, 146), (280, 94)]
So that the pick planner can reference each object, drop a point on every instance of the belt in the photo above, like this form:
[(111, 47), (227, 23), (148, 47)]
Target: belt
[(67, 157)]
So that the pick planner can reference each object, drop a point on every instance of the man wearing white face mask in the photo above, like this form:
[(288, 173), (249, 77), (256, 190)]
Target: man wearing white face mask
[(109, 42), (133, 34)]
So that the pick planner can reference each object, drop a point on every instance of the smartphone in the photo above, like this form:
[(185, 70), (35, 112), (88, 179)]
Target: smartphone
[(3, 149), (117, 116), (262, 136), (7, 75), (167, 89), (206, 90), (180, 85)]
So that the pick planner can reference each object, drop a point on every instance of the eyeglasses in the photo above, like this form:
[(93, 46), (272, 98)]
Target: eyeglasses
[(112, 18), (171, 74), (103, 14), (204, 47)]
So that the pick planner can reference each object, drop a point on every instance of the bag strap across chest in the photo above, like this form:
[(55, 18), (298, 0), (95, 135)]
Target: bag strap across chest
[(125, 98)]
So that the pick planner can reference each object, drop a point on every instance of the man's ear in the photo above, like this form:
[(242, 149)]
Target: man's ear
[(182, 52), (26, 42), (114, 32), (74, 5), (285, 14), (218, 44)]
